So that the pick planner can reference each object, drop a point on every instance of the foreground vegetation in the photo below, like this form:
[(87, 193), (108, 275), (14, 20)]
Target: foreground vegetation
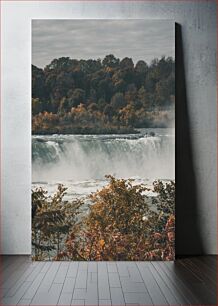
[(102, 96), (122, 224)]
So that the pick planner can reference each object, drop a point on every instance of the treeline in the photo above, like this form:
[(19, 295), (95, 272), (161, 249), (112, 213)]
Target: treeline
[(120, 225), (71, 95)]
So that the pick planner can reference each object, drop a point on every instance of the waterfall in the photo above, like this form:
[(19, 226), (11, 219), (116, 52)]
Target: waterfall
[(84, 157)]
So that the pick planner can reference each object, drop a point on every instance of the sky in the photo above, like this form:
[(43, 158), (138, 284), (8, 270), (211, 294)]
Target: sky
[(93, 39)]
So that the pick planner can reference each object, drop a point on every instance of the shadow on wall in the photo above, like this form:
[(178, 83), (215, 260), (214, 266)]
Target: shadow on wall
[(188, 233)]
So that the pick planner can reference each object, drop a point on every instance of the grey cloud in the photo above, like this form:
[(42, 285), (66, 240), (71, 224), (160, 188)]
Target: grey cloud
[(83, 39)]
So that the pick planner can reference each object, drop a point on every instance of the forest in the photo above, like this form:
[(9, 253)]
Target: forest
[(122, 224), (72, 96)]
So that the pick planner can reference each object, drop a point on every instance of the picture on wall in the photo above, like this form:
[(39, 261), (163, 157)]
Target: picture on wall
[(103, 140)]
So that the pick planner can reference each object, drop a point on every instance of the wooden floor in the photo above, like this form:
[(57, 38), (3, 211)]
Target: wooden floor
[(188, 281)]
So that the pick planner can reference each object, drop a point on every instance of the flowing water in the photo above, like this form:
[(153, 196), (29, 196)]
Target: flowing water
[(80, 162)]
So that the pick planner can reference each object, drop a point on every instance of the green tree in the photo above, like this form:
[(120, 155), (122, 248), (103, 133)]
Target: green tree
[(52, 219), (37, 106), (141, 68), (77, 97), (118, 101), (39, 89), (110, 61), (109, 111), (59, 64)]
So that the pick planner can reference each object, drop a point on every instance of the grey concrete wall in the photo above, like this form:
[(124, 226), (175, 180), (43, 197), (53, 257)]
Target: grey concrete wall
[(196, 113)]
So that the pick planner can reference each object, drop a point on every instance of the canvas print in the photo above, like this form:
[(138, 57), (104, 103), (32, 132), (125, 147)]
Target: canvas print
[(103, 140)]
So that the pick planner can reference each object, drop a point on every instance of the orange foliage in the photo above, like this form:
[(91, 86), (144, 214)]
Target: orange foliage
[(115, 228)]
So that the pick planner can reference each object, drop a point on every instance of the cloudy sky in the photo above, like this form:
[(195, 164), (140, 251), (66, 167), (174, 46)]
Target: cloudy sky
[(85, 39)]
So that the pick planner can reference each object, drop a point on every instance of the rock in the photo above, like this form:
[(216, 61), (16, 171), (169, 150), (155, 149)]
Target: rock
[(152, 134)]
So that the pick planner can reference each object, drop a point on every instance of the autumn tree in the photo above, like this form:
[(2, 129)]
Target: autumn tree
[(52, 219), (121, 225), (112, 84)]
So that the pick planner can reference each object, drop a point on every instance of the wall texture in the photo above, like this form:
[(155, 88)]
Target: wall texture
[(196, 113)]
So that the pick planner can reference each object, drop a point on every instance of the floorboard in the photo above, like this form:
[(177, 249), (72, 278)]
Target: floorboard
[(187, 281)]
